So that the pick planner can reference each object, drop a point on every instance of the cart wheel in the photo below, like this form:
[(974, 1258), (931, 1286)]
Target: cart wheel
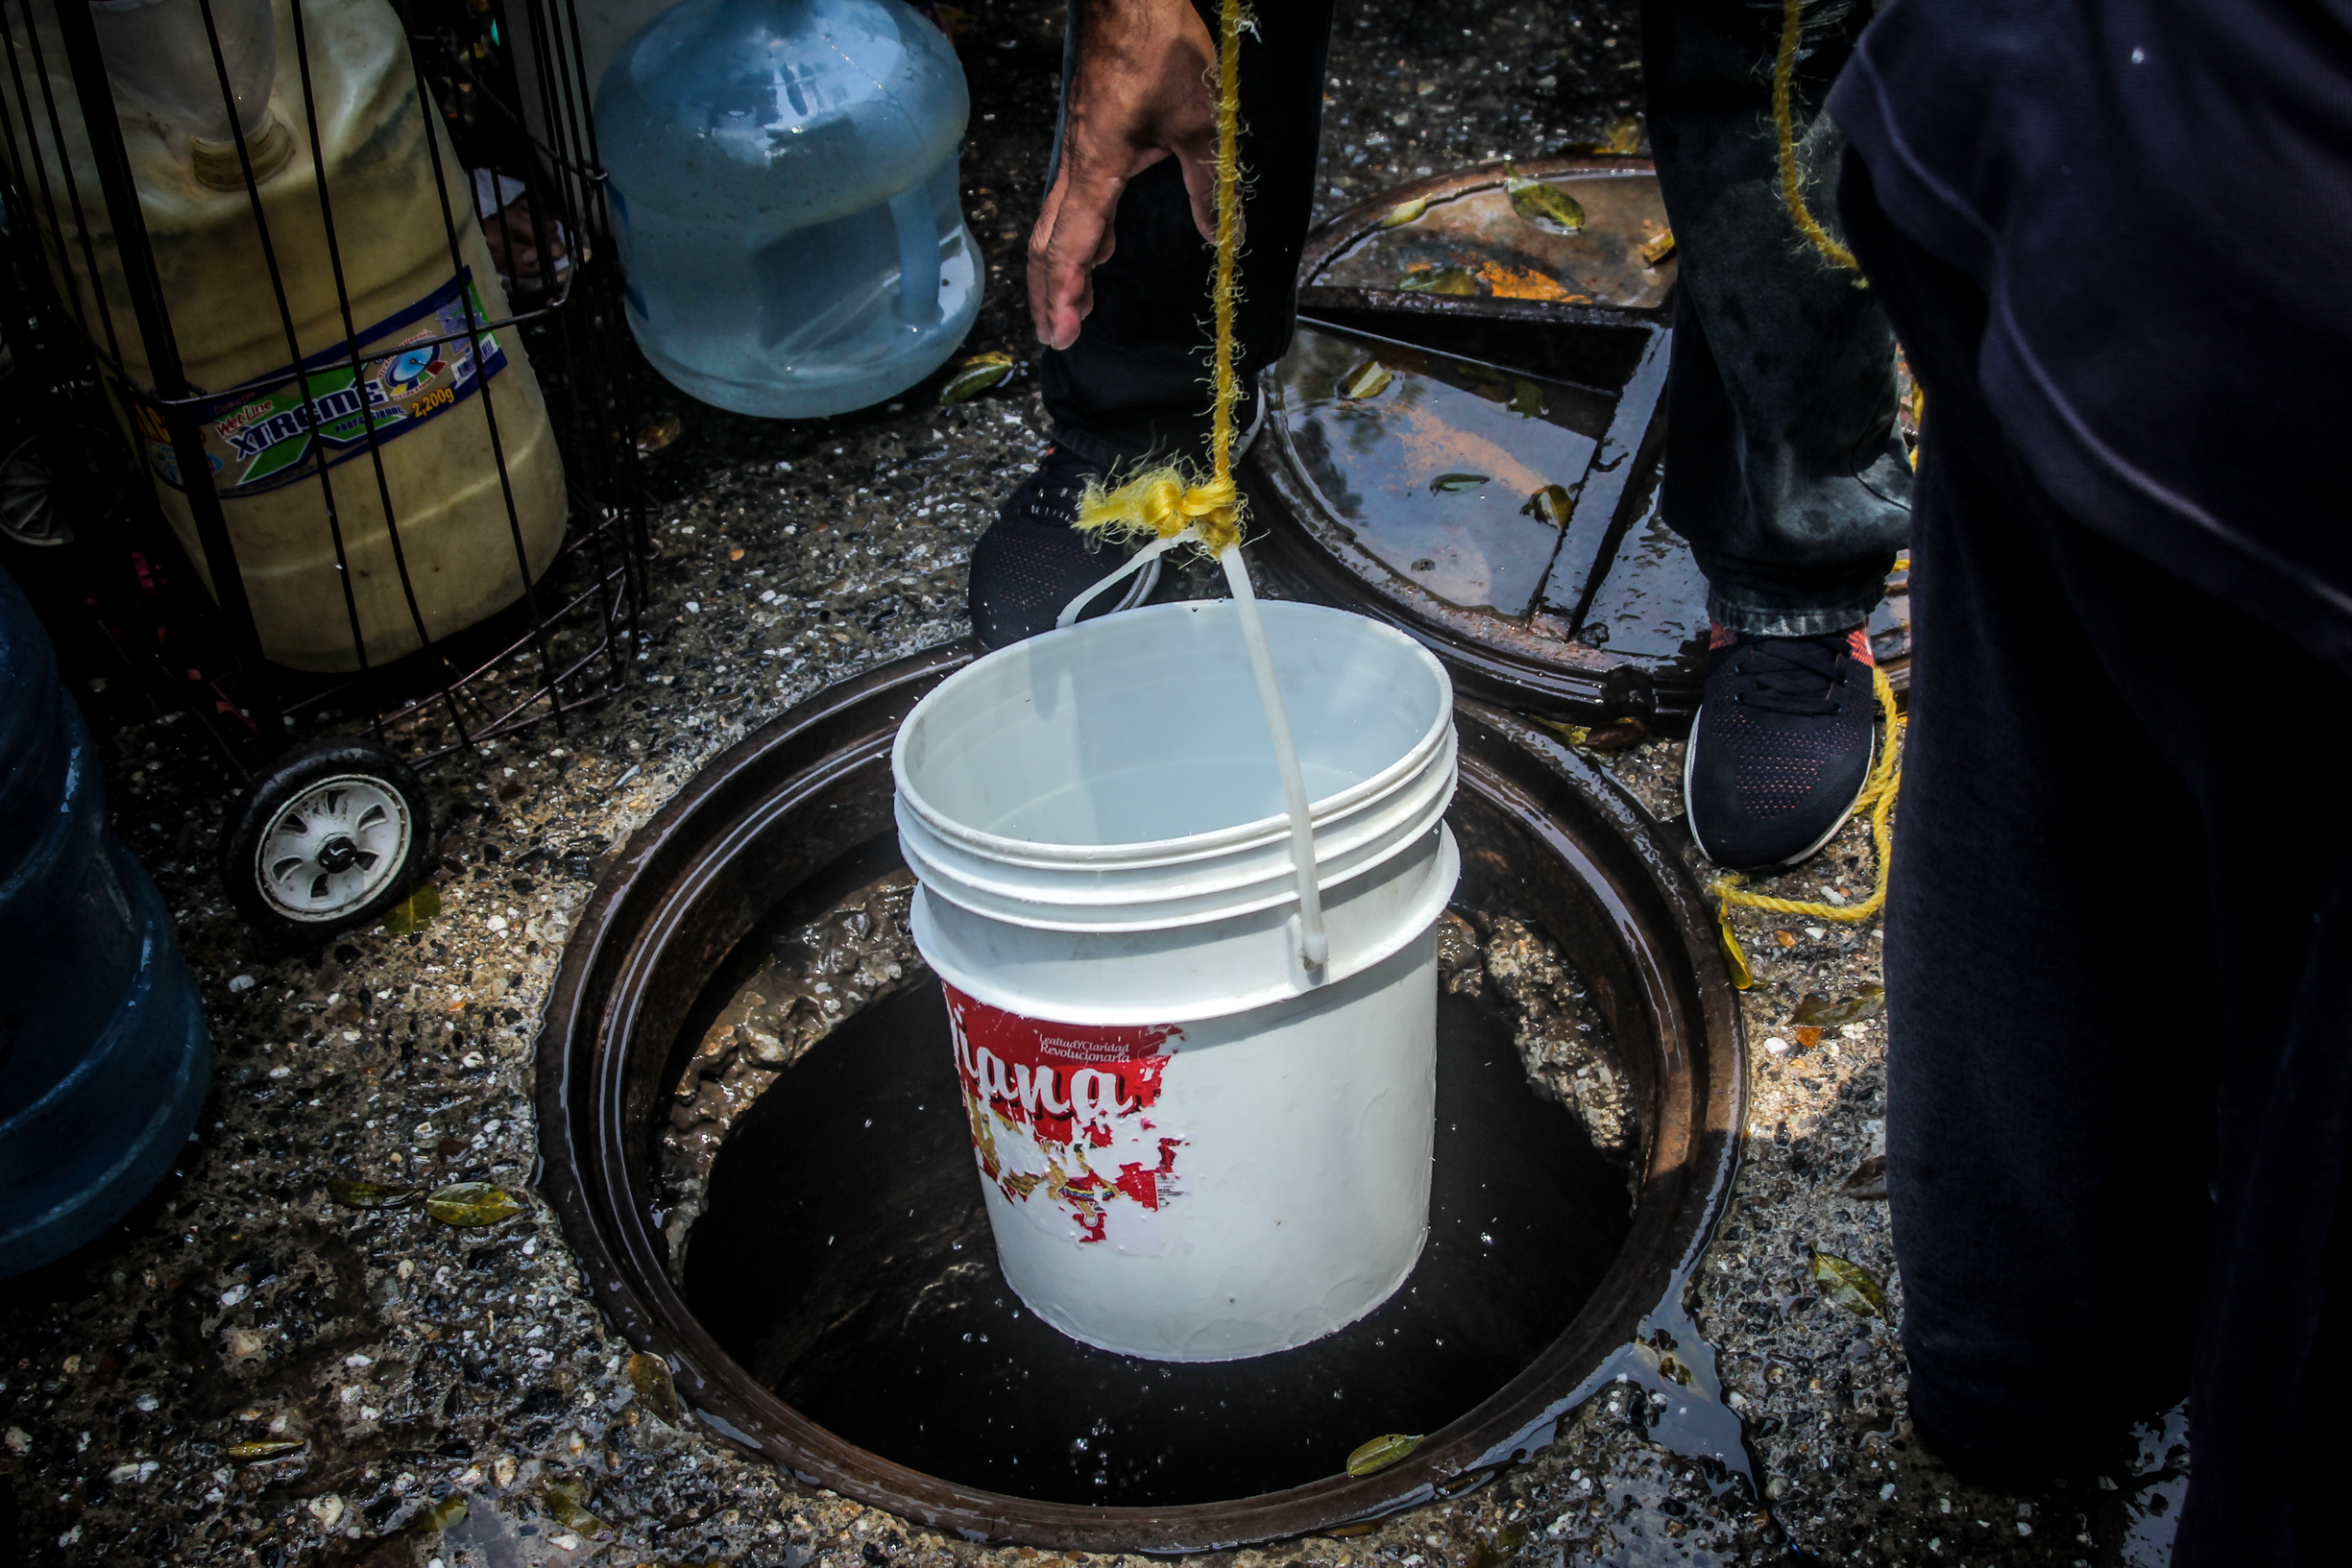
[(327, 838), (48, 479)]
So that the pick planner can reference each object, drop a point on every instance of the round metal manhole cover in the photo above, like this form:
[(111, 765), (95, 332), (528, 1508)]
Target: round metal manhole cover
[(1467, 437), (808, 1253)]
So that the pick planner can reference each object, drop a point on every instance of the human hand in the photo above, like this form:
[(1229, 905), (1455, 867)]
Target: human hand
[(1144, 90)]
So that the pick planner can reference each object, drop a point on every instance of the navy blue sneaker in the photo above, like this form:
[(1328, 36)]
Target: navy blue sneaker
[(1032, 559), (1782, 746)]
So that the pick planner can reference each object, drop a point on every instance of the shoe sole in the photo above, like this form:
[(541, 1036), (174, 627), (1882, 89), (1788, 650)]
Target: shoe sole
[(1690, 757)]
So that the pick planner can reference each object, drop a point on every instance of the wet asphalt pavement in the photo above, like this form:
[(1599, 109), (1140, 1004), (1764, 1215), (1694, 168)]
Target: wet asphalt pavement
[(251, 1372)]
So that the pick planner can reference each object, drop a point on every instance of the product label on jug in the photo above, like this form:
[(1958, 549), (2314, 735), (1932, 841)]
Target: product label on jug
[(276, 432), (1067, 1118)]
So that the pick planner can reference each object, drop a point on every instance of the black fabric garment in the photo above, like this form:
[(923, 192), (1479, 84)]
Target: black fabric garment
[(1782, 470), (1784, 467), (2155, 198), (1136, 382), (2119, 941)]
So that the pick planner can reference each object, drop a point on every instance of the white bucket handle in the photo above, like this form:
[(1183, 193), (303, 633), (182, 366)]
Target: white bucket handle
[(1314, 943), (1135, 563)]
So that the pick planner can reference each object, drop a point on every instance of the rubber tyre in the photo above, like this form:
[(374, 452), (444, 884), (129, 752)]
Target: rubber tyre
[(372, 771)]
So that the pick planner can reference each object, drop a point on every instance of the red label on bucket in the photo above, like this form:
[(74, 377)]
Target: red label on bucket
[(1066, 1115)]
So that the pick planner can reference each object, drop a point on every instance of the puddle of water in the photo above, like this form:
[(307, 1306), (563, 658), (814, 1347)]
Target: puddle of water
[(1453, 474), (846, 1259), (2152, 1496), (1650, 601), (1505, 255)]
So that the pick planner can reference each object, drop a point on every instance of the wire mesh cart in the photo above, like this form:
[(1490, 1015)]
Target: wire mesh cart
[(318, 388)]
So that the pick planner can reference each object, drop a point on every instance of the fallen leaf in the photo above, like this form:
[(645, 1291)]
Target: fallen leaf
[(1742, 977), (567, 1505), (369, 1195), (1382, 1452), (649, 1376), (976, 376), (1551, 504), (470, 1203), (736, 554), (1348, 1532), (1454, 280), (1849, 1285), (262, 1448), (1526, 398), (1616, 734), (1369, 380), (1404, 212), (1618, 139), (1546, 206), (658, 432), (414, 912), (441, 1515), (1573, 733), (1786, 939), (1820, 1011), (1451, 483), (1658, 250), (1807, 1035), (1525, 284), (1869, 1179), (952, 21)]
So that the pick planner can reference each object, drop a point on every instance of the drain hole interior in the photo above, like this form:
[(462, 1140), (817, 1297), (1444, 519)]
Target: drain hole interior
[(841, 1253)]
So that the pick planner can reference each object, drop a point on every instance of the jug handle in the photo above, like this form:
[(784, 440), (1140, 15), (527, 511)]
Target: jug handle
[(918, 255)]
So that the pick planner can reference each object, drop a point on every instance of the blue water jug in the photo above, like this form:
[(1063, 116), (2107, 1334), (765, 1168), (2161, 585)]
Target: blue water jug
[(783, 175), (103, 1053)]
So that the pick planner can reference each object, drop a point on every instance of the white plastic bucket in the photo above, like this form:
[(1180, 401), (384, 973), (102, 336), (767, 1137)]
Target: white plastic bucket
[(1193, 1147)]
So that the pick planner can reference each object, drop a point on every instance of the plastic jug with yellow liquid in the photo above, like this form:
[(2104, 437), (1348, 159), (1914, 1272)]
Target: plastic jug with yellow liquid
[(431, 392)]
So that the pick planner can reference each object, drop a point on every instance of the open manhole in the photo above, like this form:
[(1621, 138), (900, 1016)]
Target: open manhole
[(755, 1137), (1467, 437)]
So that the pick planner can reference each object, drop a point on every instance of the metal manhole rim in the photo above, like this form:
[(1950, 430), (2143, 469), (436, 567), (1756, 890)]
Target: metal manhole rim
[(591, 1141)]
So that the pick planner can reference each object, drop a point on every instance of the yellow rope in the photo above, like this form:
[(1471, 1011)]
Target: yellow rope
[(1792, 189), (1172, 499), (1878, 798)]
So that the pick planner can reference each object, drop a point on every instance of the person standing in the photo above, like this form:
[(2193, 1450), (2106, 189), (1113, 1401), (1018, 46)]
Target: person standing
[(2119, 938), (1784, 469)]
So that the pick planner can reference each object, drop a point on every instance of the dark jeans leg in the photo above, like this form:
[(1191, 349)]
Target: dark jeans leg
[(1783, 469), (1136, 383), (2118, 953)]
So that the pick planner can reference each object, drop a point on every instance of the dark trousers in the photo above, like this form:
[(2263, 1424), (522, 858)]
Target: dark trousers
[(1784, 467), (2117, 956), (1783, 471)]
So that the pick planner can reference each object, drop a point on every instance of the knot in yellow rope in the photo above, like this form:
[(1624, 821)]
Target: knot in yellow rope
[(1165, 503), (1169, 503)]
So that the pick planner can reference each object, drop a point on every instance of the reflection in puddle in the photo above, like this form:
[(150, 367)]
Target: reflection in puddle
[(1452, 474), (1651, 599), (1523, 248)]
